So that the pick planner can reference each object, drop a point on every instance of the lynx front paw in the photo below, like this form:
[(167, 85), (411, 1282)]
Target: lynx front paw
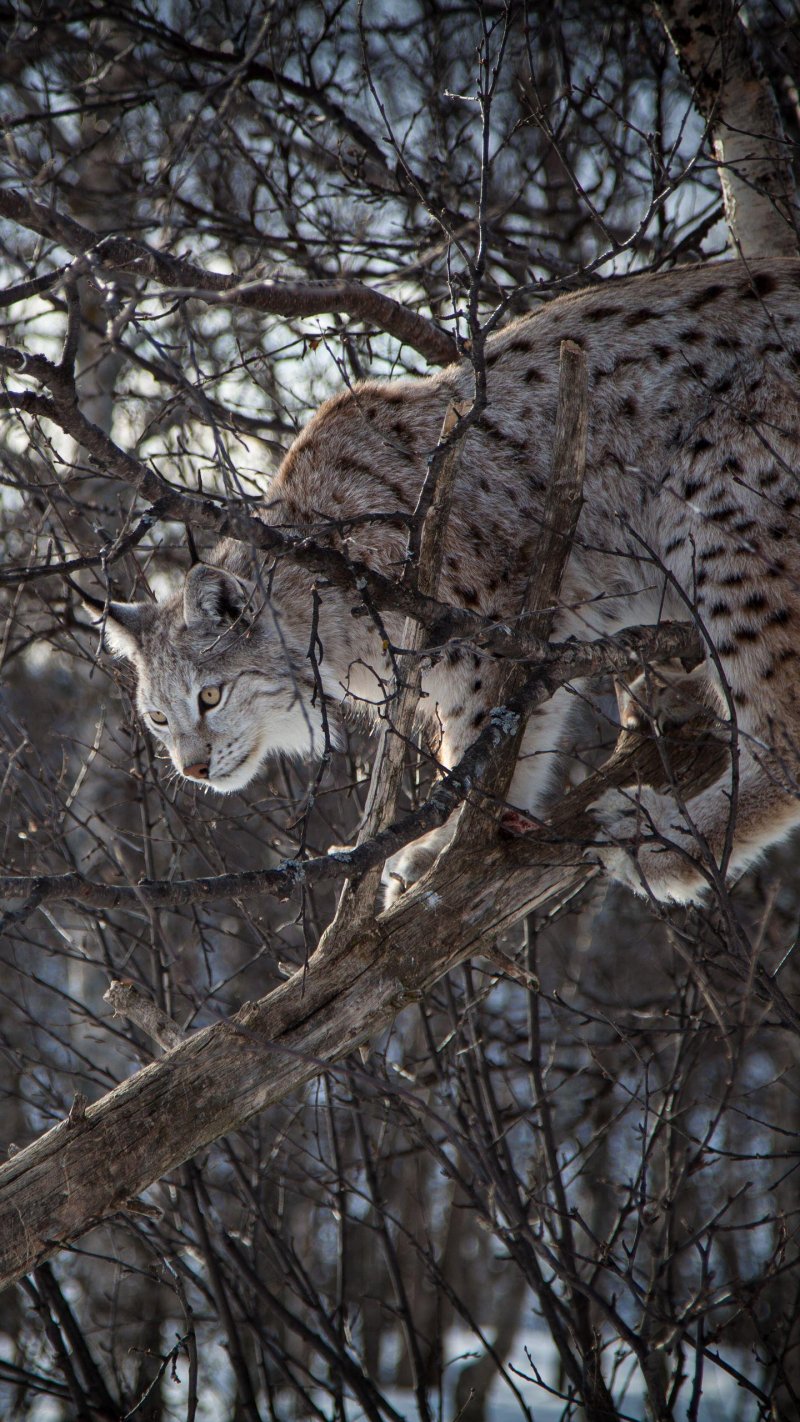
[(650, 848), (403, 869)]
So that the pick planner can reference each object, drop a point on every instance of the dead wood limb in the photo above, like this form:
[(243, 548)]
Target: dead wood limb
[(181, 277), (426, 546), (562, 506), (77, 1175), (127, 1001)]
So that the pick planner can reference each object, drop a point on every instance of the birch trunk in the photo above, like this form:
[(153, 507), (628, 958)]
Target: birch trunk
[(735, 98)]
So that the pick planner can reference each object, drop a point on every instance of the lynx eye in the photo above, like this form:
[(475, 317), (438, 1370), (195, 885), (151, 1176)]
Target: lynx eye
[(210, 696), (158, 718)]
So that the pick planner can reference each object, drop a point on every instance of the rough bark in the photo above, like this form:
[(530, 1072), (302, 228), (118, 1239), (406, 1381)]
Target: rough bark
[(212, 1083), (735, 98)]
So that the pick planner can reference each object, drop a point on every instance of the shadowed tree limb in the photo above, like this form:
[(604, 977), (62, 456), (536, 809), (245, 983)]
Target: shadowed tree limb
[(280, 297), (56, 1189)]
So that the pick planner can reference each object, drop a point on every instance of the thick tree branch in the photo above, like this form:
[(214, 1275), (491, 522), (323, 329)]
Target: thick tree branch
[(628, 652), (445, 623), (77, 1175), (180, 277)]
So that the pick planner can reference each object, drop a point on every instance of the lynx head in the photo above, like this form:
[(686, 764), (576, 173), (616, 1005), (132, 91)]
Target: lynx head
[(220, 679)]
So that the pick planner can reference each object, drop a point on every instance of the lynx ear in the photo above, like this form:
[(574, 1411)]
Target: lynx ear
[(212, 595), (123, 626)]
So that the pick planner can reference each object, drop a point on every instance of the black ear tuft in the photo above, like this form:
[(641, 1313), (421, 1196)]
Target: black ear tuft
[(210, 595)]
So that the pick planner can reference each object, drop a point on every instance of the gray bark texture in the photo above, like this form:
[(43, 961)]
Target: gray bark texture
[(734, 96), (89, 1168)]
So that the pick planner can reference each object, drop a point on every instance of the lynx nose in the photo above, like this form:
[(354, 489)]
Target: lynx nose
[(199, 771)]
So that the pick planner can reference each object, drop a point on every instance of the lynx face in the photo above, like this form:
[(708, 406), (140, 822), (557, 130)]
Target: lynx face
[(217, 681)]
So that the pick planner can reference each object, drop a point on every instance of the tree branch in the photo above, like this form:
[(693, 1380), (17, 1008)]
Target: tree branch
[(75, 1176), (629, 651), (180, 277)]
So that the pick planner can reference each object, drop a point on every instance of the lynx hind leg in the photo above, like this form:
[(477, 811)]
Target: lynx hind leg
[(403, 869), (673, 852)]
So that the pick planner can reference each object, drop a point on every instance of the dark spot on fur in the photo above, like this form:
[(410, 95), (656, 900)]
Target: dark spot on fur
[(779, 617), (702, 298), (739, 698), (691, 487), (727, 343), (719, 609), (721, 387), (700, 446), (467, 596), (662, 353), (692, 336), (756, 602), (768, 478), (789, 502), (676, 542), (602, 313), (532, 375), (519, 346), (734, 580), (636, 318), (777, 532), (744, 525), (732, 464), (477, 684), (484, 485), (747, 634), (727, 649), (762, 284), (479, 719), (629, 408)]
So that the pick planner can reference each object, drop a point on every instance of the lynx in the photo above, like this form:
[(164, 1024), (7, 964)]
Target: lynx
[(691, 512)]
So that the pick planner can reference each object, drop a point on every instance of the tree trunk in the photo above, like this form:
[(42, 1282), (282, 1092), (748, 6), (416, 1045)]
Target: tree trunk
[(734, 96)]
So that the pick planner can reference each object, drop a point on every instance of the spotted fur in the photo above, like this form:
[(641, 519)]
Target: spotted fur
[(692, 507)]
